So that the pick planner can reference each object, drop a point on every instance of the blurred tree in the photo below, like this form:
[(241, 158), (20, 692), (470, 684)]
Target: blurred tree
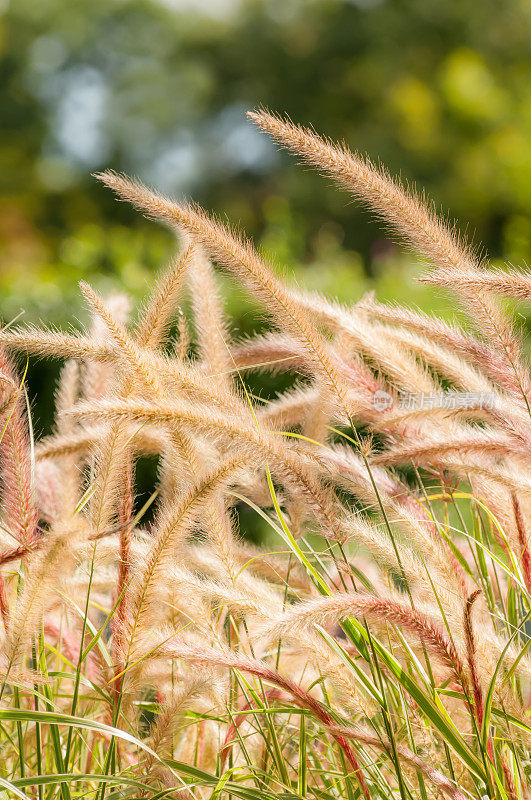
[(438, 90)]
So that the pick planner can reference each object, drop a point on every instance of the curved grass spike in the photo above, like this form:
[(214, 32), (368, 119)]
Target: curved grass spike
[(416, 222)]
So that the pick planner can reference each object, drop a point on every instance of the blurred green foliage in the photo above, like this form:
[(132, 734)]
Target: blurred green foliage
[(439, 90)]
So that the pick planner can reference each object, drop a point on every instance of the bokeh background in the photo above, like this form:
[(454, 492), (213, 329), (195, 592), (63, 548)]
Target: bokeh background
[(439, 90)]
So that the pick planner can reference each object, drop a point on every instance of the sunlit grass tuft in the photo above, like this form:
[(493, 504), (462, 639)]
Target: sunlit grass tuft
[(377, 644)]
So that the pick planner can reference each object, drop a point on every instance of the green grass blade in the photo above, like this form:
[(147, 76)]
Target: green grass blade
[(54, 718), (12, 787)]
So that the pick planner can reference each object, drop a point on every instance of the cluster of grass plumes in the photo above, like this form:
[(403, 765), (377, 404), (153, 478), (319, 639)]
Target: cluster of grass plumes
[(379, 647)]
